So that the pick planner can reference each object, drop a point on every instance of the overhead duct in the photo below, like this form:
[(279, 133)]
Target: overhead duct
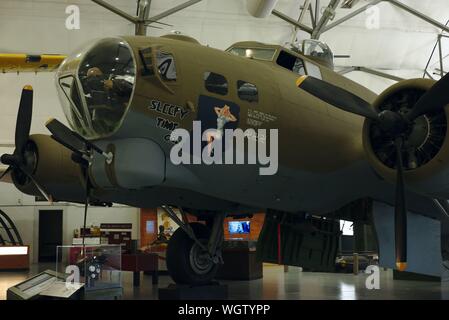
[(260, 8)]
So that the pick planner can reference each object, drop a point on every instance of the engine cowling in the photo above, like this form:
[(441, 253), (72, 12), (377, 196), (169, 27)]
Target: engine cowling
[(426, 144), (51, 165)]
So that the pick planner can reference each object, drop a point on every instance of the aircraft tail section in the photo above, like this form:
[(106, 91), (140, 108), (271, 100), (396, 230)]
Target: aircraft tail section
[(299, 240)]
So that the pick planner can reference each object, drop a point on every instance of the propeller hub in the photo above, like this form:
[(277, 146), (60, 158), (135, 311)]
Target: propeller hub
[(422, 136), (19, 161), (393, 123), (10, 159)]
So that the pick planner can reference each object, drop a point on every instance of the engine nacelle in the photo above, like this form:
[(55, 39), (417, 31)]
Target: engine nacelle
[(51, 165), (426, 145)]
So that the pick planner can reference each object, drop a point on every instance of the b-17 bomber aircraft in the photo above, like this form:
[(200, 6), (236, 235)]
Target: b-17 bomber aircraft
[(146, 115)]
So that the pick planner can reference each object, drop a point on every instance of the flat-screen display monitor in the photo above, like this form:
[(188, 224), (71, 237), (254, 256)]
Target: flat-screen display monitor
[(239, 227), (346, 227), (150, 227)]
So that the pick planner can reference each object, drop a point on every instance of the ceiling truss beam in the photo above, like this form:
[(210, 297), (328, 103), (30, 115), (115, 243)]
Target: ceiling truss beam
[(173, 10), (116, 10), (418, 14), (371, 71), (141, 21), (351, 15), (286, 18), (328, 14)]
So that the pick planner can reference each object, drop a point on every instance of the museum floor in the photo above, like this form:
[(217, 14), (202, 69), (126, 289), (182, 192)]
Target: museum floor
[(279, 285)]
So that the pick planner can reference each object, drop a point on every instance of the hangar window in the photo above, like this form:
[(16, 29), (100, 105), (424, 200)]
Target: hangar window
[(166, 66), (291, 62), (247, 91), (216, 83)]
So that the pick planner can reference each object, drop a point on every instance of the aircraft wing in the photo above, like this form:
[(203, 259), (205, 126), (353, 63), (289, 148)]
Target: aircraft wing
[(17, 62)]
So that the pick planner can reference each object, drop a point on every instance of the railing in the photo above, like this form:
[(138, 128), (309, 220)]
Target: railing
[(10, 229)]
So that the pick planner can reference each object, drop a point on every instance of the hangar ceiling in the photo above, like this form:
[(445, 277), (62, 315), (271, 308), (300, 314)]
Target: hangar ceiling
[(402, 42), (401, 46)]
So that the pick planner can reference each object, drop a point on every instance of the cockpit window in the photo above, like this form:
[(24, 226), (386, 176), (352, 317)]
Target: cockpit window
[(254, 53), (298, 67), (291, 62), (101, 87), (313, 70)]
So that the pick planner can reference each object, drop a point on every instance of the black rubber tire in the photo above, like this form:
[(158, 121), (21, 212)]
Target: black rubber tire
[(178, 257)]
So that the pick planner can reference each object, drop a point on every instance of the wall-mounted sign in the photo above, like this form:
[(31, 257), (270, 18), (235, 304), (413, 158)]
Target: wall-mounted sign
[(121, 226)]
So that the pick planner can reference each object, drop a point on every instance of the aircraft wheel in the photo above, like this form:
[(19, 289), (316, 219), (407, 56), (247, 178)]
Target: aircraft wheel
[(187, 263)]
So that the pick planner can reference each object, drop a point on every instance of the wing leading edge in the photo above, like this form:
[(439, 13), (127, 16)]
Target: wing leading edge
[(17, 62)]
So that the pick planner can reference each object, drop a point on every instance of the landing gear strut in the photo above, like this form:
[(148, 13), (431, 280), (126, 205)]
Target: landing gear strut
[(194, 250)]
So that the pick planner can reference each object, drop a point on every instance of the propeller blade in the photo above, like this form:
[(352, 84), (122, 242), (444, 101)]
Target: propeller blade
[(86, 201), (68, 146), (24, 116), (433, 100), (443, 205), (23, 126), (65, 136), (337, 97), (7, 172), (400, 211), (73, 140), (38, 186)]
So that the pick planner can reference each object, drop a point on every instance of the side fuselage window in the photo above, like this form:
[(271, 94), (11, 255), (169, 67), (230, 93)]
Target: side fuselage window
[(313, 70), (166, 66), (247, 91), (216, 83)]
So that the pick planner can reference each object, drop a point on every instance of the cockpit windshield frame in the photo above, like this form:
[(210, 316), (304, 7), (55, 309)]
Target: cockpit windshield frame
[(75, 108), (251, 53)]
